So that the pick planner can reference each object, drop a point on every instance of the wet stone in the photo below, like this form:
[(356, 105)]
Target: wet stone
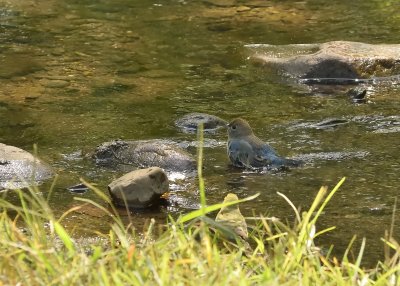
[(339, 60), (140, 188), (78, 189), (330, 123), (142, 154), (20, 169), (357, 94), (332, 156), (189, 122)]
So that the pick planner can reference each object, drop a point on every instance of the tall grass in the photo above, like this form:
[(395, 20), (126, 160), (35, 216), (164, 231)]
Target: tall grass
[(36, 249)]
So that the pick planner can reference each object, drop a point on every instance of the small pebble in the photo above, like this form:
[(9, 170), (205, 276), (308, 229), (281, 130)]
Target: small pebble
[(78, 189)]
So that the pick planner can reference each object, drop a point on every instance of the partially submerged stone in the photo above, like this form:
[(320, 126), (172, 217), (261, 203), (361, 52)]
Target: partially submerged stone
[(190, 122), (78, 188), (231, 217), (332, 156), (140, 188), (337, 59), (20, 169), (143, 154), (358, 95)]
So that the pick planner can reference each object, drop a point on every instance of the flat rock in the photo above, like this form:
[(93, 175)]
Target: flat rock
[(337, 59), (189, 122), (332, 156), (328, 123), (55, 83), (140, 188), (20, 169), (142, 154)]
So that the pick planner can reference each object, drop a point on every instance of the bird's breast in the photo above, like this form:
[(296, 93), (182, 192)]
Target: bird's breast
[(240, 152)]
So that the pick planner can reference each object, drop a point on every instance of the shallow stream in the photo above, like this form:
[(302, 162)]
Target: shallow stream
[(76, 73)]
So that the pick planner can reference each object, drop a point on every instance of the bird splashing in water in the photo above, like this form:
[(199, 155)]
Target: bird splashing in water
[(246, 150)]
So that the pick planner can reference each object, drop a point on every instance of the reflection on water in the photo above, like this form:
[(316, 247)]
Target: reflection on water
[(75, 74)]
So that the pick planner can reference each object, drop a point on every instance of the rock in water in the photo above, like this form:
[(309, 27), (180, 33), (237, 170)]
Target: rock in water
[(337, 59), (140, 188), (189, 122), (20, 169), (143, 154), (231, 217)]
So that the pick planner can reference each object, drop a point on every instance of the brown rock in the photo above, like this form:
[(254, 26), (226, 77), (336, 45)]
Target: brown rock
[(140, 188), (337, 59)]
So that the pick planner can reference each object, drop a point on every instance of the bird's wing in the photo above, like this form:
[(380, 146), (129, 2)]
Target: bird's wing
[(265, 155), (240, 152)]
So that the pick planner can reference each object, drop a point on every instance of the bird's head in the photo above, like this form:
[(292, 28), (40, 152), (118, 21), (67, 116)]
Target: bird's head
[(239, 128)]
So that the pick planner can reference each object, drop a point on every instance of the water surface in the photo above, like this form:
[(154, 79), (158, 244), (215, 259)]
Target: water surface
[(77, 73)]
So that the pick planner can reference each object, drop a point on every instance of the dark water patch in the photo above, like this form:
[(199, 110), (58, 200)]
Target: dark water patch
[(17, 65), (111, 89)]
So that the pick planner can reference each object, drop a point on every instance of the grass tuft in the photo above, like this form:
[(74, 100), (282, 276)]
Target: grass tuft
[(37, 248)]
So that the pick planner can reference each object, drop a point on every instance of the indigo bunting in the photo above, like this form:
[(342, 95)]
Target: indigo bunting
[(247, 150)]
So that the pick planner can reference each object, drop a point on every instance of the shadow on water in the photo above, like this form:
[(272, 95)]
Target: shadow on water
[(75, 74)]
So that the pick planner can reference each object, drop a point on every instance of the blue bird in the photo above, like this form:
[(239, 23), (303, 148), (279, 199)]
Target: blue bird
[(248, 151)]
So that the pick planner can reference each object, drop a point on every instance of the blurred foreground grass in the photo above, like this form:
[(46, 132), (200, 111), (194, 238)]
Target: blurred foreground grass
[(194, 249), (35, 249)]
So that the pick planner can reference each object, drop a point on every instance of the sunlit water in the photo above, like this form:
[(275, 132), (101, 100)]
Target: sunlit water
[(77, 73)]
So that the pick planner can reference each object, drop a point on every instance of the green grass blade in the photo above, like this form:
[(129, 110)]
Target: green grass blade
[(65, 238), (200, 212), (200, 140)]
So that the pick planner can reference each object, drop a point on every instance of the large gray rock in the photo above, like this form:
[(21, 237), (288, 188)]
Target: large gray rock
[(20, 169), (142, 154), (189, 122), (337, 59), (140, 188)]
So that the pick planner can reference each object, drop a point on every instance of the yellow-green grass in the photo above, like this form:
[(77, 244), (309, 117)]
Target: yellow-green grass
[(36, 248)]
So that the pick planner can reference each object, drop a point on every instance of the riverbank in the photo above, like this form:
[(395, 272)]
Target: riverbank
[(35, 249)]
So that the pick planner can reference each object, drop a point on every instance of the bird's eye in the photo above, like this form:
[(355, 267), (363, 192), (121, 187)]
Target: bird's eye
[(234, 127)]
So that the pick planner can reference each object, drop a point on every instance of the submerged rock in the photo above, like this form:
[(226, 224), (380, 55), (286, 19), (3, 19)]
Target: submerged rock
[(142, 154), (21, 65), (189, 122), (140, 188), (358, 95), (332, 156), (78, 188), (20, 169), (330, 123), (339, 60), (380, 124)]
